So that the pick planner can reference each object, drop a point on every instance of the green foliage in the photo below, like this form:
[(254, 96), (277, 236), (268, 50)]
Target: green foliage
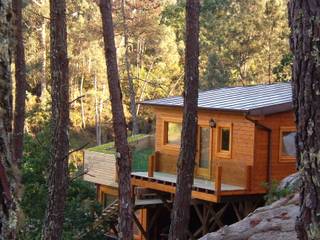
[(110, 147), (274, 193), (242, 41), (283, 69), (140, 157), (81, 206), (216, 75)]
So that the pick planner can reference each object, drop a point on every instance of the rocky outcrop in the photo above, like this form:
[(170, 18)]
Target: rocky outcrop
[(292, 182), (275, 221)]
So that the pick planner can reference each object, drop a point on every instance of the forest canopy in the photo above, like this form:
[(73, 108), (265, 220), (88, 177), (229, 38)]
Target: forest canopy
[(241, 42)]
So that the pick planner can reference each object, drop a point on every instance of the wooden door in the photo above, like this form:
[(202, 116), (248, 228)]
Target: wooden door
[(204, 152)]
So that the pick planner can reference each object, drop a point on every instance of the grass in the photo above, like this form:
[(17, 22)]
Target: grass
[(110, 148), (140, 157)]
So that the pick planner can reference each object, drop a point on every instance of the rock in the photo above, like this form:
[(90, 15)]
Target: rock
[(292, 182), (275, 221)]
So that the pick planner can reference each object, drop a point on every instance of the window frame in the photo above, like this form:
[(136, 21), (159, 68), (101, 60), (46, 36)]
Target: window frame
[(165, 133), (218, 151), (285, 158)]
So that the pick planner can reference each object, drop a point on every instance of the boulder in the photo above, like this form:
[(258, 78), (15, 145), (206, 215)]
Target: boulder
[(275, 221), (292, 182)]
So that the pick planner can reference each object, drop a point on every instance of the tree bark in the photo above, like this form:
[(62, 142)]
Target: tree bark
[(132, 93), (123, 154), (97, 112), (181, 207), (58, 176), (305, 45), (83, 117), (20, 77), (8, 211), (43, 43)]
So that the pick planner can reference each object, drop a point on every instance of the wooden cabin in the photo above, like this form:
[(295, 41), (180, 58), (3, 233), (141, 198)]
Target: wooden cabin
[(246, 138)]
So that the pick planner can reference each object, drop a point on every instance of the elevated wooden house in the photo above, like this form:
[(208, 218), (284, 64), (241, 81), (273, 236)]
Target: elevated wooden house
[(246, 138)]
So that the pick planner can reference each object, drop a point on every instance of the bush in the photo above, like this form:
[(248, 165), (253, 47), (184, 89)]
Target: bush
[(274, 193), (81, 206)]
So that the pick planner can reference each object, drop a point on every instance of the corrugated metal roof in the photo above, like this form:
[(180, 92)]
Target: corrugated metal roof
[(258, 99)]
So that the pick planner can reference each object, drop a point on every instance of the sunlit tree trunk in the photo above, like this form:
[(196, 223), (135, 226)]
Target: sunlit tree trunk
[(132, 93), (43, 43), (20, 77), (97, 111), (185, 168), (58, 170), (83, 117), (119, 124), (8, 184), (305, 45)]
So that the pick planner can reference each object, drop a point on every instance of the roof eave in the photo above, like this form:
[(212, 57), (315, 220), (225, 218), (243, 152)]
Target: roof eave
[(284, 107)]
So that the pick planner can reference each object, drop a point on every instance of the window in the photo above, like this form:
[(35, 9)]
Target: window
[(107, 199), (225, 139), (224, 133), (287, 144), (173, 133)]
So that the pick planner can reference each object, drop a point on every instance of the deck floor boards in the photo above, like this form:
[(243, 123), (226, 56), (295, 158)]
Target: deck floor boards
[(198, 183)]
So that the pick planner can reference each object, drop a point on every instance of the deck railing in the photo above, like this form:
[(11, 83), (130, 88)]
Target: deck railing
[(152, 161), (217, 183)]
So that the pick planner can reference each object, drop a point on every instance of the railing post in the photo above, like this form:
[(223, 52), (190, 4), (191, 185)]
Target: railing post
[(217, 183), (248, 178), (151, 165)]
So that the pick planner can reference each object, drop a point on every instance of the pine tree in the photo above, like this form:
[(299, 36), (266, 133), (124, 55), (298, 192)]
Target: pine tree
[(123, 155), (8, 184), (58, 170), (20, 77), (305, 45), (181, 207)]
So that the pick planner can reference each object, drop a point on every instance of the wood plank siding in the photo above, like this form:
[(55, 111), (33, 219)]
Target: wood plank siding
[(101, 168), (242, 137), (279, 169), (247, 165)]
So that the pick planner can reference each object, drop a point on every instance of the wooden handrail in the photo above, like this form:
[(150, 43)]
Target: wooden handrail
[(217, 183), (248, 178)]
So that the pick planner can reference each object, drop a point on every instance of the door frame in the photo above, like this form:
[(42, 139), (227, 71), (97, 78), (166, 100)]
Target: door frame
[(204, 172)]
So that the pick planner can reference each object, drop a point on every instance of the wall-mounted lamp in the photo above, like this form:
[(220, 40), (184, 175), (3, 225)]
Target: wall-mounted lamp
[(212, 123)]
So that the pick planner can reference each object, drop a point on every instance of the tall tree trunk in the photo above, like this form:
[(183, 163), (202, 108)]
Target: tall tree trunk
[(123, 154), (43, 43), (97, 112), (305, 44), (8, 214), (20, 76), (181, 207), (83, 117), (132, 93), (100, 111), (58, 176)]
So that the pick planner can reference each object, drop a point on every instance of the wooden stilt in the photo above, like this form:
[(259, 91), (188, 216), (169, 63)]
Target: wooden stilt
[(136, 220)]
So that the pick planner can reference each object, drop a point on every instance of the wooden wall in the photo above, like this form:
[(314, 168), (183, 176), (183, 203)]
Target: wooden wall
[(101, 168), (279, 169), (233, 169)]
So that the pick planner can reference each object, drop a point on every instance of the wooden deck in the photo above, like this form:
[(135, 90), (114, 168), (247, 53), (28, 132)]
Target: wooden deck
[(197, 183), (202, 189)]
